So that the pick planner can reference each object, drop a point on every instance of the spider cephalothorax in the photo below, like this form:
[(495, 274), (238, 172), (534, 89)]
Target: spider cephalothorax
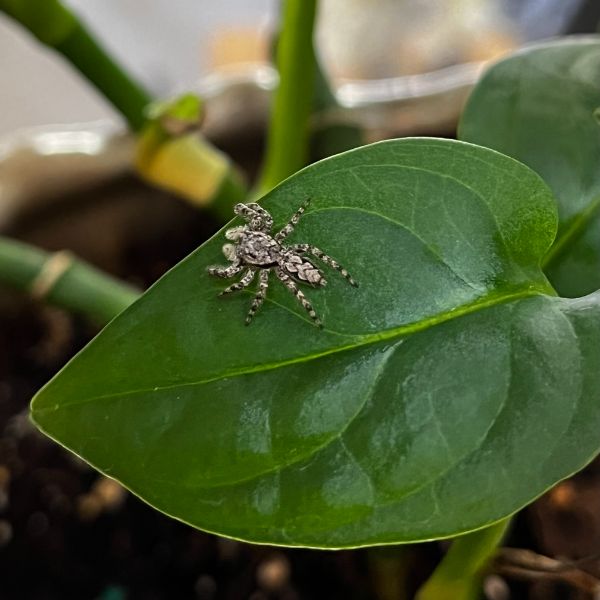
[(256, 250)]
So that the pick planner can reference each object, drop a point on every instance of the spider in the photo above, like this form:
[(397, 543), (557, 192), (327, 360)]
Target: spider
[(257, 250)]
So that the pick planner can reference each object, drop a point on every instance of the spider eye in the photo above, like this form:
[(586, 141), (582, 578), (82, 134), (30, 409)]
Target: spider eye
[(238, 208)]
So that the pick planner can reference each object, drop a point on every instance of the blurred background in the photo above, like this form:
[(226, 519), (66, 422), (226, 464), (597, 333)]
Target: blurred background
[(170, 48), (67, 181)]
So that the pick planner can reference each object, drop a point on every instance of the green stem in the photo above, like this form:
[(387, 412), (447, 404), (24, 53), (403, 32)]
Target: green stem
[(459, 574), (63, 280), (54, 25), (84, 53), (389, 568), (288, 135)]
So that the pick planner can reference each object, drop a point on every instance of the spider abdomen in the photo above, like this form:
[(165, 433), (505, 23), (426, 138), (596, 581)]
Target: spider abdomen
[(302, 270)]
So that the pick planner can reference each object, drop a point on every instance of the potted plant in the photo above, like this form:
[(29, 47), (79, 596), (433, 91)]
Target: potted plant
[(455, 384)]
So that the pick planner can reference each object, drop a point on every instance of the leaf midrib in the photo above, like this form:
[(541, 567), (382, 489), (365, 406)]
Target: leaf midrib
[(488, 301), (572, 233)]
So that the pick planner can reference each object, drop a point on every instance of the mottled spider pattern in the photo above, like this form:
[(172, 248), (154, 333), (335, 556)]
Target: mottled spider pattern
[(255, 249)]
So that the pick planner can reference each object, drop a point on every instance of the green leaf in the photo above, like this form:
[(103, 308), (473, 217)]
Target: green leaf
[(447, 391), (540, 106)]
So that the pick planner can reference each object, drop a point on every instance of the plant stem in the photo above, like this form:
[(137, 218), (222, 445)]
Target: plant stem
[(389, 567), (56, 26), (63, 280), (288, 135), (459, 574), (84, 53)]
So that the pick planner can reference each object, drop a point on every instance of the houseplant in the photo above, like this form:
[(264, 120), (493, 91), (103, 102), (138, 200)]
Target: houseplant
[(448, 391)]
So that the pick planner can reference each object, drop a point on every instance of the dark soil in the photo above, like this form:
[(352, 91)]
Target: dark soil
[(67, 533)]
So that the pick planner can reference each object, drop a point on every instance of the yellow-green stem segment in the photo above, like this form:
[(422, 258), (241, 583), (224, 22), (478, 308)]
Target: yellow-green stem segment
[(460, 573), (288, 134), (63, 280)]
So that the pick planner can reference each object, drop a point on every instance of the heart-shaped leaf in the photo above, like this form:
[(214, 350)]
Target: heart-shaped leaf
[(541, 107), (447, 391)]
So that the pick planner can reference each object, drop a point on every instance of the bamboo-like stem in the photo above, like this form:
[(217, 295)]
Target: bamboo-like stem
[(185, 164), (64, 280), (90, 59), (459, 574), (288, 135), (56, 26)]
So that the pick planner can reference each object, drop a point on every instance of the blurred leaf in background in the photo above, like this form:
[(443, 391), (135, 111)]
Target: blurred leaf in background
[(541, 106)]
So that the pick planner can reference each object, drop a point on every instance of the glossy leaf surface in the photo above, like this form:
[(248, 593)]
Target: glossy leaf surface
[(541, 107), (446, 392)]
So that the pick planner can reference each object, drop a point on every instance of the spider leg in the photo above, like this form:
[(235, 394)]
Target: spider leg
[(264, 215), (263, 284), (256, 215), (225, 272), (291, 285), (292, 222), (326, 259), (245, 281), (243, 210)]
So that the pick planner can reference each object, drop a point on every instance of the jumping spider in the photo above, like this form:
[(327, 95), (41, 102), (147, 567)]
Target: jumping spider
[(256, 250)]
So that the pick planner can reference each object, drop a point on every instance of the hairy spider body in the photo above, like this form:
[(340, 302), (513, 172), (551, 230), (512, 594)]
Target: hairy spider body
[(256, 250), (259, 249)]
